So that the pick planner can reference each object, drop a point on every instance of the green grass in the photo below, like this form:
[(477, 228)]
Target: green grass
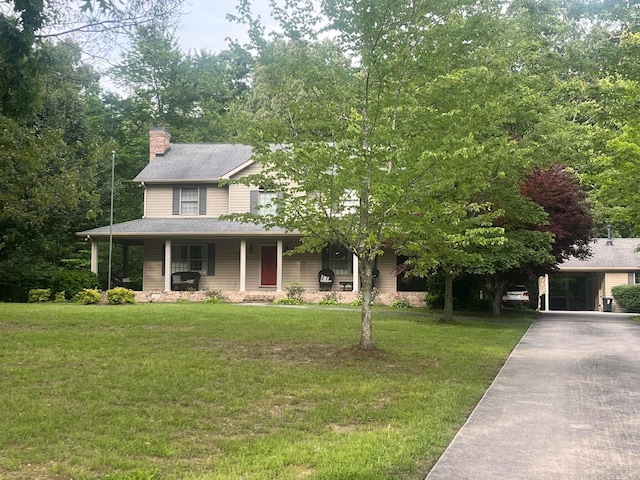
[(194, 391)]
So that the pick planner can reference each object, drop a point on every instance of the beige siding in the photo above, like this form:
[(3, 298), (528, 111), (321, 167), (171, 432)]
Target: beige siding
[(613, 280), (302, 268), (217, 201), (227, 274), (159, 201), (387, 282), (239, 197), (153, 279)]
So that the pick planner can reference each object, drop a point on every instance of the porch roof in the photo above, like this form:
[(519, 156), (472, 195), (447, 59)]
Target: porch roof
[(176, 227), (620, 256)]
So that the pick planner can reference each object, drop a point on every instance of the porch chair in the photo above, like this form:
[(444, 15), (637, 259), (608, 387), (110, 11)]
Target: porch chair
[(185, 281), (326, 277)]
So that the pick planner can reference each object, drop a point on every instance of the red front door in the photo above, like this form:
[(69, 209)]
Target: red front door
[(268, 271)]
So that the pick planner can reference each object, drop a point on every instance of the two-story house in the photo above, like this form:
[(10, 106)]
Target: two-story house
[(181, 230)]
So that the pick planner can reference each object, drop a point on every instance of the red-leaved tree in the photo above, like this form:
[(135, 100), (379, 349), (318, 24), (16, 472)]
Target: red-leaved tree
[(559, 192)]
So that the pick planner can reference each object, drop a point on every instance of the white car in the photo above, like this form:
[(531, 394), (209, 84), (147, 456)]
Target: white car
[(516, 295)]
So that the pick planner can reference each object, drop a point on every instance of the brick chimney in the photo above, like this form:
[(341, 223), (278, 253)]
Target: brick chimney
[(159, 142)]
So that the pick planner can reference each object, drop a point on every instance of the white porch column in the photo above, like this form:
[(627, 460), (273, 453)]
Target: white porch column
[(94, 256), (356, 274), (546, 292), (279, 267), (243, 265), (167, 266)]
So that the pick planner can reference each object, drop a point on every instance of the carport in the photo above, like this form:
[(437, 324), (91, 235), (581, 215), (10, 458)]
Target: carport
[(583, 284)]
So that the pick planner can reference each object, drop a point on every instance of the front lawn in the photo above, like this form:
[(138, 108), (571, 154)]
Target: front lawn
[(195, 391)]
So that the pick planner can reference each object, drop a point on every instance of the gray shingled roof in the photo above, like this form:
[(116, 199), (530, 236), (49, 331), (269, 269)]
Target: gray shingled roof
[(619, 256), (151, 227), (195, 162)]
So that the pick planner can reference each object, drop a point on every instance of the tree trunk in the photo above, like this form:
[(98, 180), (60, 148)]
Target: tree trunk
[(448, 296), (366, 280), (496, 302)]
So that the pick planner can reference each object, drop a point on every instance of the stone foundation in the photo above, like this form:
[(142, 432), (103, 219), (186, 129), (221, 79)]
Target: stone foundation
[(416, 299)]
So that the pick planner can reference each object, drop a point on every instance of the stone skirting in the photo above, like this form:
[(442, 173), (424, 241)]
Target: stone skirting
[(415, 298)]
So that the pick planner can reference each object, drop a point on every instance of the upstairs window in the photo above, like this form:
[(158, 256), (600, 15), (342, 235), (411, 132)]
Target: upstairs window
[(190, 200), (263, 201)]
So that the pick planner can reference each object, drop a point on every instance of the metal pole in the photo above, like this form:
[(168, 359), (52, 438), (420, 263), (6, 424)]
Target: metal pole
[(113, 171)]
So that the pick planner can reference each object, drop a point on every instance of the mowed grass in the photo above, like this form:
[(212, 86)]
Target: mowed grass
[(195, 391)]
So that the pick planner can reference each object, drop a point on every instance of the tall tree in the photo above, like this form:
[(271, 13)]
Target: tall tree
[(26, 25), (404, 109)]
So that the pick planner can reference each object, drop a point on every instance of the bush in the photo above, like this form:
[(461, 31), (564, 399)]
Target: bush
[(73, 281), (216, 296), (295, 291), (120, 296), (88, 296), (287, 301), (39, 295), (60, 297), (331, 298), (627, 297), (401, 303)]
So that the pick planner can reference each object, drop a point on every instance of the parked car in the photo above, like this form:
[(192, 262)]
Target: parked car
[(516, 295)]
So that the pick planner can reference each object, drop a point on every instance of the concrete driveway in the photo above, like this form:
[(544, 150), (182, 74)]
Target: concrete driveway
[(566, 405)]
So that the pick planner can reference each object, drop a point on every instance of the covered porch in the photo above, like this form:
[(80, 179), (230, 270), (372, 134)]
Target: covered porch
[(228, 256)]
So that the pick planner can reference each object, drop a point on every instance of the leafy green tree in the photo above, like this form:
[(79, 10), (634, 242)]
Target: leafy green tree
[(191, 94), (26, 25), (409, 111)]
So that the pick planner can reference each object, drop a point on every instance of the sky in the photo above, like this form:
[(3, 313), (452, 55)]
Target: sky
[(204, 24)]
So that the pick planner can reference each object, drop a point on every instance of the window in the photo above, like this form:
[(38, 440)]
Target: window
[(192, 258), (266, 201), (187, 258), (637, 277), (340, 260), (190, 200), (263, 201)]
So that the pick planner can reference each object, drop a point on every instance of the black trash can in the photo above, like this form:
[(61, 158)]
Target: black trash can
[(607, 303)]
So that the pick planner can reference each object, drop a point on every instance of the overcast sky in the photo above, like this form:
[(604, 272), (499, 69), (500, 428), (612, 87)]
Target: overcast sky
[(205, 24)]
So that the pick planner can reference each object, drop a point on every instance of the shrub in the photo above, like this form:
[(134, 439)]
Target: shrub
[(120, 296), (73, 281), (216, 296), (400, 303), (39, 295), (295, 291), (331, 298), (60, 297), (627, 296), (287, 301), (88, 296)]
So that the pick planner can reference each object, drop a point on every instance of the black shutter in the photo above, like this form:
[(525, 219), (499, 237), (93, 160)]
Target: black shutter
[(176, 200), (325, 257), (203, 200), (253, 201), (211, 259)]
